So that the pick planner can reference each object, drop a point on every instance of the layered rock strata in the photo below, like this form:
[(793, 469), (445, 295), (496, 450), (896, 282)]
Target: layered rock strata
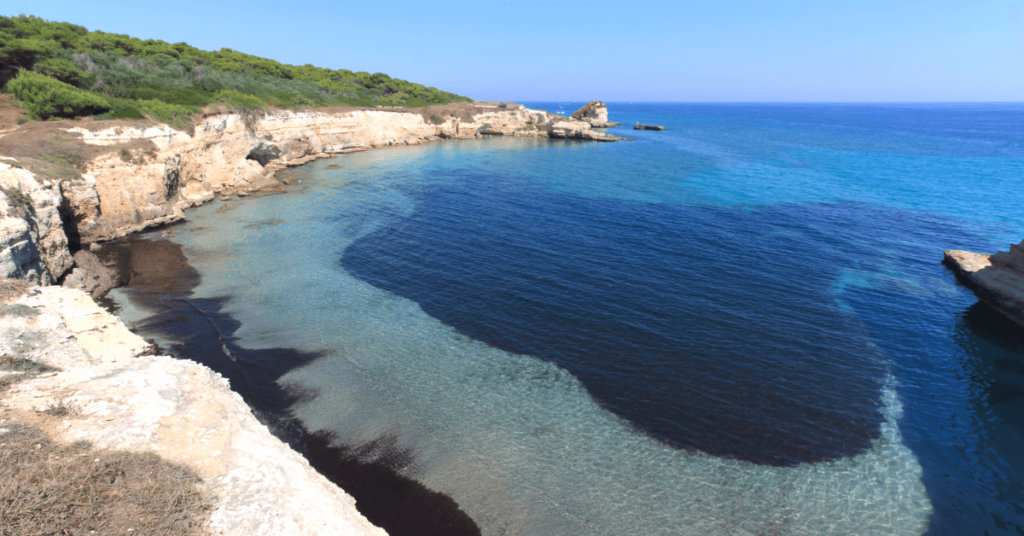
[(176, 408), (997, 279), (595, 113)]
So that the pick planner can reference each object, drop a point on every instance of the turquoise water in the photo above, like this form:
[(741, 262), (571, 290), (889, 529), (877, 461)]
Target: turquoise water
[(739, 325)]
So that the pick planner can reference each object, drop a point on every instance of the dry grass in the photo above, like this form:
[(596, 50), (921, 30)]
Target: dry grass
[(53, 488), (50, 488), (25, 369), (12, 289), (62, 408)]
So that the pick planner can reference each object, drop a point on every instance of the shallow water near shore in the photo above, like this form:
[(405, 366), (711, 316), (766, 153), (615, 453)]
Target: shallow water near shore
[(739, 325)]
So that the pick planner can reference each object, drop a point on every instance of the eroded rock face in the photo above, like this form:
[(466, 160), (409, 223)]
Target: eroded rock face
[(91, 275), (123, 194), (159, 172), (33, 245), (179, 409), (595, 113), (996, 279), (592, 111)]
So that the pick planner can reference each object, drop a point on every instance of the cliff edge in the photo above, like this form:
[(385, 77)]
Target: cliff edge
[(997, 279), (78, 182), (176, 408)]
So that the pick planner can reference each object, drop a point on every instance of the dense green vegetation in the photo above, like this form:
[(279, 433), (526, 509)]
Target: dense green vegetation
[(171, 81), (47, 97)]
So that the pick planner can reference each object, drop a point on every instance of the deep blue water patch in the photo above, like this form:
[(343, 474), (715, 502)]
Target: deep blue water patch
[(710, 328)]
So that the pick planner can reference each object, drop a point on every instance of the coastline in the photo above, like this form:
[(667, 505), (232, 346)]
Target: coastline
[(478, 432), (387, 499), (138, 179), (997, 279)]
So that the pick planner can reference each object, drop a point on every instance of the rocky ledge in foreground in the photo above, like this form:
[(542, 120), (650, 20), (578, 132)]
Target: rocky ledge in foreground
[(126, 400), (997, 279)]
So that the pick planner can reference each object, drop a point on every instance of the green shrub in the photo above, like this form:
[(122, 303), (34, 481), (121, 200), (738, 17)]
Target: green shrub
[(45, 97), (189, 96), (126, 67), (122, 109), (289, 100), (413, 102), (176, 115), (240, 101), (63, 70), (436, 120), (17, 54)]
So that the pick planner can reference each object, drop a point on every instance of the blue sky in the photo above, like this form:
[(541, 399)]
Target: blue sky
[(642, 50)]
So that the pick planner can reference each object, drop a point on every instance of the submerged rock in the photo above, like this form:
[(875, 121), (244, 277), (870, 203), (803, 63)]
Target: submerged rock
[(997, 279), (638, 126), (581, 134)]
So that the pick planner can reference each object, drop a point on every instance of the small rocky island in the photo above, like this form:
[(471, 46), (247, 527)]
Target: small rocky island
[(638, 126), (997, 279), (595, 113)]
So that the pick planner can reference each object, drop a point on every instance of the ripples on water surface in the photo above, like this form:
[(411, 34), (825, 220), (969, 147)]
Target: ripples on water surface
[(739, 325)]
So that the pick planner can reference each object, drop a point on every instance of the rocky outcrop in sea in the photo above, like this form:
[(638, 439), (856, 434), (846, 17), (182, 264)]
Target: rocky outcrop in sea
[(595, 113), (996, 279)]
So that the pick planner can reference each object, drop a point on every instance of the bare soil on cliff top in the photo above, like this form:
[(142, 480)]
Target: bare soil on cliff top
[(48, 150), (9, 113)]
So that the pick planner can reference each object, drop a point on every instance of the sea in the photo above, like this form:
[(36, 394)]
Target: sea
[(739, 325)]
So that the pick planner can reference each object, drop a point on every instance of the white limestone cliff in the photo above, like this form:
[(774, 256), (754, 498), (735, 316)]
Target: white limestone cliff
[(595, 113), (176, 408), (33, 245), (122, 194)]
